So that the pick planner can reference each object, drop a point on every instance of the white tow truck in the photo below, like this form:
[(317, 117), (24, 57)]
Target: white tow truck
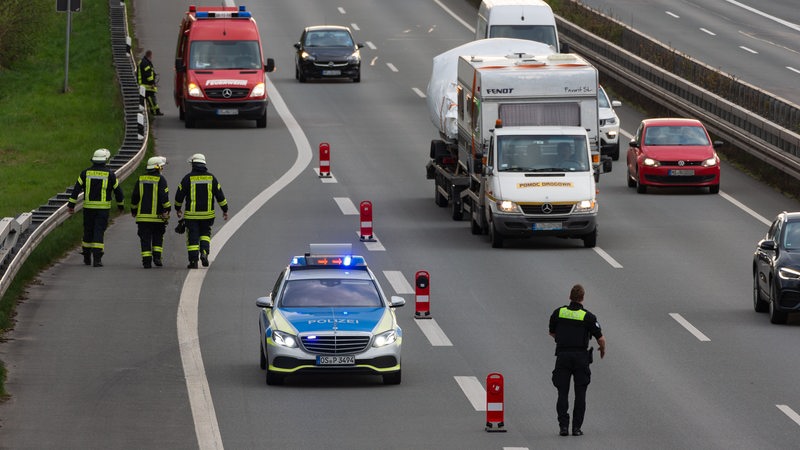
[(524, 157)]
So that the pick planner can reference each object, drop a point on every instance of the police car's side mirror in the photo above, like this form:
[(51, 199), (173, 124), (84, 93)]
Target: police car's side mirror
[(398, 301), (264, 302)]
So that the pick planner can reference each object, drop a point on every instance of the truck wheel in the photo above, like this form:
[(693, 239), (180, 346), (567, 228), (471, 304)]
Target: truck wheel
[(190, 121), (181, 113), (494, 236), (475, 227), (440, 199), (261, 122), (615, 152), (590, 240)]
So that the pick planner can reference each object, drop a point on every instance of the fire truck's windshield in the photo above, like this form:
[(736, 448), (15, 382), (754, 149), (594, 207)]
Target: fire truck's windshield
[(211, 55)]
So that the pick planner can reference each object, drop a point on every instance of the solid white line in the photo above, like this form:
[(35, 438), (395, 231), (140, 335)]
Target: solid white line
[(708, 32), (700, 336), (419, 92), (392, 67), (748, 49), (474, 391), (202, 405), (626, 134), (669, 13), (613, 262), (399, 283), (371, 45), (793, 69), (330, 179), (741, 206), (346, 205), (342, 11), (790, 412), (459, 19), (433, 332), (355, 27), (763, 14)]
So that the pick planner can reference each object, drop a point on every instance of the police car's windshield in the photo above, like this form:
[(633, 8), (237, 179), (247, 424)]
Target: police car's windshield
[(210, 55), (330, 292)]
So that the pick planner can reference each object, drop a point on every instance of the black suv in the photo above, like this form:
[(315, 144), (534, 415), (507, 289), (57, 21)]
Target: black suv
[(327, 51), (776, 269)]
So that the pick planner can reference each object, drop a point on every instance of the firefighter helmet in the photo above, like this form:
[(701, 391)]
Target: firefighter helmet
[(198, 158), (101, 155), (156, 162)]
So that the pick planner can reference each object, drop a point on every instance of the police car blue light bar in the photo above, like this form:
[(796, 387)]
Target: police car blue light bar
[(329, 255)]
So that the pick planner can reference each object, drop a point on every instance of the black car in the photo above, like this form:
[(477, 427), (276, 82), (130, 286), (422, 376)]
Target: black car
[(776, 269), (327, 51)]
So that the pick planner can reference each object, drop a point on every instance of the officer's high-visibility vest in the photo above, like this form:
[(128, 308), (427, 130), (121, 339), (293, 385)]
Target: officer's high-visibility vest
[(571, 314)]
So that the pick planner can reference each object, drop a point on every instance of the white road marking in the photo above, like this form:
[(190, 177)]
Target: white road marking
[(669, 13), (700, 336), (793, 69), (200, 400), (373, 60), (433, 332), (355, 27), (626, 134), (374, 245), (419, 92), (613, 262), (790, 412), (748, 49), (791, 25), (392, 67), (371, 45), (474, 391), (341, 10), (710, 33), (330, 179), (399, 283), (741, 206), (459, 19), (346, 205)]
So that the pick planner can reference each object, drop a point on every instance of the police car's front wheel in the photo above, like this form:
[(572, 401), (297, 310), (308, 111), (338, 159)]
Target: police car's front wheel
[(263, 358), (274, 378), (392, 378)]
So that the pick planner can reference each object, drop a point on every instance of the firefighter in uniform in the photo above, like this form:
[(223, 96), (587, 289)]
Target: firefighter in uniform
[(147, 78), (572, 327), (198, 189), (98, 182), (150, 206)]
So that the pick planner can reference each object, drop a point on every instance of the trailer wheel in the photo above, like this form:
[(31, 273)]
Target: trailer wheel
[(456, 208), (440, 199)]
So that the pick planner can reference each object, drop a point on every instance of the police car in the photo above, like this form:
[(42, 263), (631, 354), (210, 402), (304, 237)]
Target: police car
[(328, 313)]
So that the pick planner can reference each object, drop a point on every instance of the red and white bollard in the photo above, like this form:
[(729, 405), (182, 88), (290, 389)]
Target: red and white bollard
[(422, 289), (366, 221), (324, 160), (495, 408)]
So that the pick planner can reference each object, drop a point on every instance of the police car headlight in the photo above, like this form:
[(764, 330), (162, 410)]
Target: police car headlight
[(585, 206), (385, 338), (258, 91), (508, 206), (284, 339), (789, 274), (194, 90)]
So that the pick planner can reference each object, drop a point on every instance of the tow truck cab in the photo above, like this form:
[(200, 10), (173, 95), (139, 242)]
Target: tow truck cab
[(219, 66)]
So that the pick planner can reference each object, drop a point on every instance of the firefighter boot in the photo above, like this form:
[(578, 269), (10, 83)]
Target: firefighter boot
[(147, 262), (157, 259), (87, 256), (98, 257)]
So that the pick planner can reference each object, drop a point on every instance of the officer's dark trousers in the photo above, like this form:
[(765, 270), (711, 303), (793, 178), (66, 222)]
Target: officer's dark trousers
[(198, 237), (95, 222), (573, 365), (151, 235)]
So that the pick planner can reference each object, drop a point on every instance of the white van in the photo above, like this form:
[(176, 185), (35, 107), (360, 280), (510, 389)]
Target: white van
[(520, 19)]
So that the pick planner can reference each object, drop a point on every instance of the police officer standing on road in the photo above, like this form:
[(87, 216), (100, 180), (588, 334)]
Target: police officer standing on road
[(572, 327), (147, 78), (199, 188), (150, 206), (98, 182)]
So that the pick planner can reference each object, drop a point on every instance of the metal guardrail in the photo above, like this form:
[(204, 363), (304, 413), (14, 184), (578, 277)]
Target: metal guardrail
[(21, 235), (742, 128)]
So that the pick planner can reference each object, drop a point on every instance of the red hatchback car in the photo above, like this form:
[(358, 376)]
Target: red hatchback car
[(672, 152)]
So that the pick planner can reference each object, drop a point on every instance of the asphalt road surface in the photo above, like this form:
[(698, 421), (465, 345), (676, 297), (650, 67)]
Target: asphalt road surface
[(120, 357)]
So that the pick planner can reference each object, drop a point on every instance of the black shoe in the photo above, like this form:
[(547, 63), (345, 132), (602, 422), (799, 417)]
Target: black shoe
[(147, 265), (157, 261), (87, 258), (577, 432), (158, 113), (564, 431), (192, 265), (97, 263), (204, 258)]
